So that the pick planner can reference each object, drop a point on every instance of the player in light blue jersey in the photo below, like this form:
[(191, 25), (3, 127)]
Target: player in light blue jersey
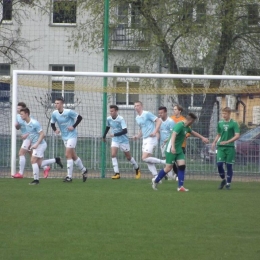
[(67, 121), (149, 125), (37, 144), (165, 131), (21, 124), (119, 140)]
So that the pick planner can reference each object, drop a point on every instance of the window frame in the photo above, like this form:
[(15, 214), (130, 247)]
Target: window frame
[(253, 15), (4, 20), (66, 24), (128, 81), (63, 79), (6, 80)]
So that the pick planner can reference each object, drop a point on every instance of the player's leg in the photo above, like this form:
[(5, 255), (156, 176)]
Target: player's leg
[(45, 165), (36, 160), (126, 149), (170, 157), (114, 149), (22, 159), (71, 143), (68, 155), (221, 158), (231, 154), (148, 147)]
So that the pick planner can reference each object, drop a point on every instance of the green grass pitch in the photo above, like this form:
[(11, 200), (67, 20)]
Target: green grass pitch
[(125, 219)]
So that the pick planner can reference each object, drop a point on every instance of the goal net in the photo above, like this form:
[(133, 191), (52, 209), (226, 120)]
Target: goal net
[(85, 93)]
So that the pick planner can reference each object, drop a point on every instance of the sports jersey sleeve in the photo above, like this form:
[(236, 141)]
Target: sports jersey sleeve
[(172, 124), (151, 116), (189, 130), (73, 114), (236, 128), (53, 119)]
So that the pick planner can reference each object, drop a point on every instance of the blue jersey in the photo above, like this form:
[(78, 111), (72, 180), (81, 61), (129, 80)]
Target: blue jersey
[(34, 128), (146, 123), (165, 129), (117, 126), (22, 124), (64, 120)]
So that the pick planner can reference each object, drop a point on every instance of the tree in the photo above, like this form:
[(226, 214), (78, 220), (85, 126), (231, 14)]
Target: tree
[(221, 36), (14, 48)]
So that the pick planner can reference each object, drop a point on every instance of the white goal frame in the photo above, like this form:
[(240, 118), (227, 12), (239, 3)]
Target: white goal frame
[(16, 73)]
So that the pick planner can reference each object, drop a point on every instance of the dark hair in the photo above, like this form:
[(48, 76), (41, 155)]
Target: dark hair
[(26, 110), (114, 106), (227, 109), (21, 104), (60, 99), (192, 116), (179, 107), (163, 108)]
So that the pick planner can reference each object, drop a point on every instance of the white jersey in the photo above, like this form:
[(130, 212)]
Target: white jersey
[(165, 129), (34, 128), (117, 125), (146, 122), (64, 120)]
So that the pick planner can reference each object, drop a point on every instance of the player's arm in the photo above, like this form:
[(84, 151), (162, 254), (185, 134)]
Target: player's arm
[(139, 135), (78, 120), (204, 139), (123, 132), (236, 136), (158, 123), (173, 138), (105, 134), (215, 142), (41, 137)]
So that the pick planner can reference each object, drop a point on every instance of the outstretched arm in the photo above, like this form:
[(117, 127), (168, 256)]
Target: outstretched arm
[(204, 139), (158, 123)]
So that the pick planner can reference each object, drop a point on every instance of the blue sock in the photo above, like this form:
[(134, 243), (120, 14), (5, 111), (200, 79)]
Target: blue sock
[(180, 177), (229, 172), (160, 175), (221, 170)]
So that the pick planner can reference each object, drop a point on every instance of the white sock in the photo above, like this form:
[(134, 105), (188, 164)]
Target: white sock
[(45, 167), (152, 168), (47, 162), (134, 163), (153, 160), (35, 168), (69, 167), (22, 162), (80, 165), (115, 165)]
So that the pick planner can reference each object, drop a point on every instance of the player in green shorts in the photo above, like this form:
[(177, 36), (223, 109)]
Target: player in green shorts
[(174, 151), (228, 133)]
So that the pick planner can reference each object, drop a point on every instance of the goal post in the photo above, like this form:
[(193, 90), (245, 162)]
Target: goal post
[(84, 90)]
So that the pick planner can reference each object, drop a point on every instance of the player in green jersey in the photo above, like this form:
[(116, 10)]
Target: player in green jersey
[(228, 133), (174, 151)]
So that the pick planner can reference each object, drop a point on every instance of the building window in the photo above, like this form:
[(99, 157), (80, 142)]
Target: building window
[(188, 70), (125, 85), (63, 86), (253, 14), (187, 12), (64, 12), (128, 15), (200, 13), (7, 10), (197, 99), (5, 82)]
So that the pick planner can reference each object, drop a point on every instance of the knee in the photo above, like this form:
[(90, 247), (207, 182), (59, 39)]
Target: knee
[(220, 164), (229, 166), (182, 167)]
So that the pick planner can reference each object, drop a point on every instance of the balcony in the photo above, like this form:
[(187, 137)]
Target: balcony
[(129, 38)]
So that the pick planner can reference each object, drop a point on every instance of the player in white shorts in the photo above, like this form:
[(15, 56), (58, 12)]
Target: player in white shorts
[(38, 145), (21, 124), (149, 125), (165, 131), (119, 141), (67, 121)]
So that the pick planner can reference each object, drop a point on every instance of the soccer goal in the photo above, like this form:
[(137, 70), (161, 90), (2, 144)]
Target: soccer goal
[(85, 93)]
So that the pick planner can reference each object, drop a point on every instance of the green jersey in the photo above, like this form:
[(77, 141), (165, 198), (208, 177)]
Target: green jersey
[(181, 130), (227, 130)]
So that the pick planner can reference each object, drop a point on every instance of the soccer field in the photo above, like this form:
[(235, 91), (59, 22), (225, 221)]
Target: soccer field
[(126, 219)]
